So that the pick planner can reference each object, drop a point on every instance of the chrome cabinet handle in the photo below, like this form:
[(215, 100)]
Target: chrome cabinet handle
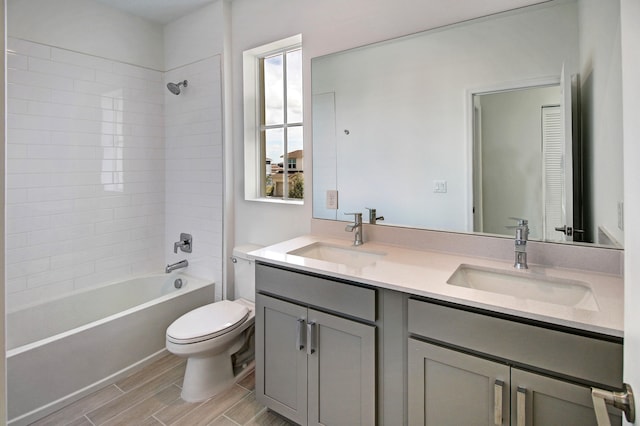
[(497, 401), (311, 337), (521, 407), (299, 334)]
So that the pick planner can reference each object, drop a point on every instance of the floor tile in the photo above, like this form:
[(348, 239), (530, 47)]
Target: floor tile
[(149, 372), (269, 418), (146, 408), (212, 408), (244, 410), (249, 382), (82, 421), (81, 407), (150, 422), (223, 421), (131, 398), (176, 410)]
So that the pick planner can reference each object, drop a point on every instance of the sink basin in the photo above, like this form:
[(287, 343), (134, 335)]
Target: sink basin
[(353, 257), (525, 285)]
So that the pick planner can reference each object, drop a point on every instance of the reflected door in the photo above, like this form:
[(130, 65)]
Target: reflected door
[(554, 188), (509, 165)]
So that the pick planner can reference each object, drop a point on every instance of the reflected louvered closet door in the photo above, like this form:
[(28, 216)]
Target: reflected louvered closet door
[(553, 171)]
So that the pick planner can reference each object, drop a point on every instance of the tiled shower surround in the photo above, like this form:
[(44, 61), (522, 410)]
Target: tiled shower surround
[(101, 179), (194, 175)]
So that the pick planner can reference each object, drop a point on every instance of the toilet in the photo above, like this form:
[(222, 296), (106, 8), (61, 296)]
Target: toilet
[(210, 335)]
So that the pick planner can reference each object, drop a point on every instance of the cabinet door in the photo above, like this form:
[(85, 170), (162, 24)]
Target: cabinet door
[(342, 371), (447, 387), (281, 360), (541, 401)]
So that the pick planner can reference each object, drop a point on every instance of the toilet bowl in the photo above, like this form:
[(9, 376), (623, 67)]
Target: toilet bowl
[(208, 336)]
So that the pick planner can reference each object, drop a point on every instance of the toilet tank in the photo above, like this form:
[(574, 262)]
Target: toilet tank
[(244, 272)]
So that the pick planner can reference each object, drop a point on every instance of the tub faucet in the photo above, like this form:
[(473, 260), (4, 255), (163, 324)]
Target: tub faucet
[(356, 227), (372, 216), (178, 265), (522, 235)]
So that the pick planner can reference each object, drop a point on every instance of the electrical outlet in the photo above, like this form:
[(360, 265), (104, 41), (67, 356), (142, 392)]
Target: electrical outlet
[(332, 199), (440, 186)]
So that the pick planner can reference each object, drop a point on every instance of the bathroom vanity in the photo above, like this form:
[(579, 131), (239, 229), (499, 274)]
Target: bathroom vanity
[(504, 370), (312, 328), (380, 334)]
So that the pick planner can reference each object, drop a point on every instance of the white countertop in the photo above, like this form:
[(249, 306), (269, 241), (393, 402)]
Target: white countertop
[(425, 273)]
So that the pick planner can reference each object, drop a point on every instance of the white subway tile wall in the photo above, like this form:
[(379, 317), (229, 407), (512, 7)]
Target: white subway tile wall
[(193, 124), (86, 171)]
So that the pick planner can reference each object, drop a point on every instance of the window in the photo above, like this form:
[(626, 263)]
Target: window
[(273, 122)]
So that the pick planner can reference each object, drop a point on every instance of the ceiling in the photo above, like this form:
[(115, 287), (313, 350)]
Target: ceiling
[(160, 11)]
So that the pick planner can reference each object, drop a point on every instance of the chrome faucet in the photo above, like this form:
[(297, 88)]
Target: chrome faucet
[(185, 244), (372, 216), (178, 265), (522, 235), (356, 227)]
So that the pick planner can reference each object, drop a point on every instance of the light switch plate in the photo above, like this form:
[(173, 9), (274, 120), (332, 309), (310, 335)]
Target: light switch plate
[(332, 199), (440, 186)]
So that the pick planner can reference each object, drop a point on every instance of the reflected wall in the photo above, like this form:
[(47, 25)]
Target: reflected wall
[(404, 105)]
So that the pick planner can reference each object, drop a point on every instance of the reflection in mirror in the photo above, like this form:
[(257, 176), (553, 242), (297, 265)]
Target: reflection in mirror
[(519, 160), (401, 126)]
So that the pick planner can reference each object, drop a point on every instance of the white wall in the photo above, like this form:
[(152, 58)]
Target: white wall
[(194, 37), (326, 27), (114, 35), (631, 102), (194, 148), (600, 51), (3, 364), (85, 171)]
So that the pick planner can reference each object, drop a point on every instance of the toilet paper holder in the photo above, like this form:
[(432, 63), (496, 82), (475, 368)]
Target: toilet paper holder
[(622, 400)]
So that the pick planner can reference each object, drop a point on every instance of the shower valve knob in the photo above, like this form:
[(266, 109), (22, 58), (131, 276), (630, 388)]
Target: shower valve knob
[(185, 244)]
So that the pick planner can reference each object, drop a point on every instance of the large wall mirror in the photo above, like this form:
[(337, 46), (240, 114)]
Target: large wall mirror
[(462, 128)]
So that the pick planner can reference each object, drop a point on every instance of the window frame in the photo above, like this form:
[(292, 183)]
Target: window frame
[(254, 165)]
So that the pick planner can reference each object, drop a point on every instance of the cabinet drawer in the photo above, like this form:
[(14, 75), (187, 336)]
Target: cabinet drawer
[(347, 299), (585, 359)]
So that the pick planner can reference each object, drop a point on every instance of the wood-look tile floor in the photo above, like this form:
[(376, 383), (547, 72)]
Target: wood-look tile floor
[(152, 397)]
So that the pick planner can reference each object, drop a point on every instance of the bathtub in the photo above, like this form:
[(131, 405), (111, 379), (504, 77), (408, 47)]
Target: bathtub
[(63, 349)]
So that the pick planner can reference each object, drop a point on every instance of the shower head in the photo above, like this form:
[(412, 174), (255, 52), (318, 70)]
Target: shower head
[(175, 87)]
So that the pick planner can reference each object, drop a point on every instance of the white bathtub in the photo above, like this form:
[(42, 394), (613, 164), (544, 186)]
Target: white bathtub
[(64, 349)]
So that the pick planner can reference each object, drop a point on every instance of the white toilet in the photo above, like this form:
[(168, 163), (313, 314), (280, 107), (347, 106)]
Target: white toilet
[(209, 335)]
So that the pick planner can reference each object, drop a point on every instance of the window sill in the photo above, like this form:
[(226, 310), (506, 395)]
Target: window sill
[(277, 201)]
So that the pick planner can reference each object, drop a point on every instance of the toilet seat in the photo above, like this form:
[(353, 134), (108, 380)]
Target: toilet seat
[(207, 322)]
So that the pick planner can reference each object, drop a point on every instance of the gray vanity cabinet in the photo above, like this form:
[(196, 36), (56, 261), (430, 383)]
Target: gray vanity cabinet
[(447, 387), (312, 366), (452, 388), (467, 367), (282, 362), (539, 400), (342, 372)]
